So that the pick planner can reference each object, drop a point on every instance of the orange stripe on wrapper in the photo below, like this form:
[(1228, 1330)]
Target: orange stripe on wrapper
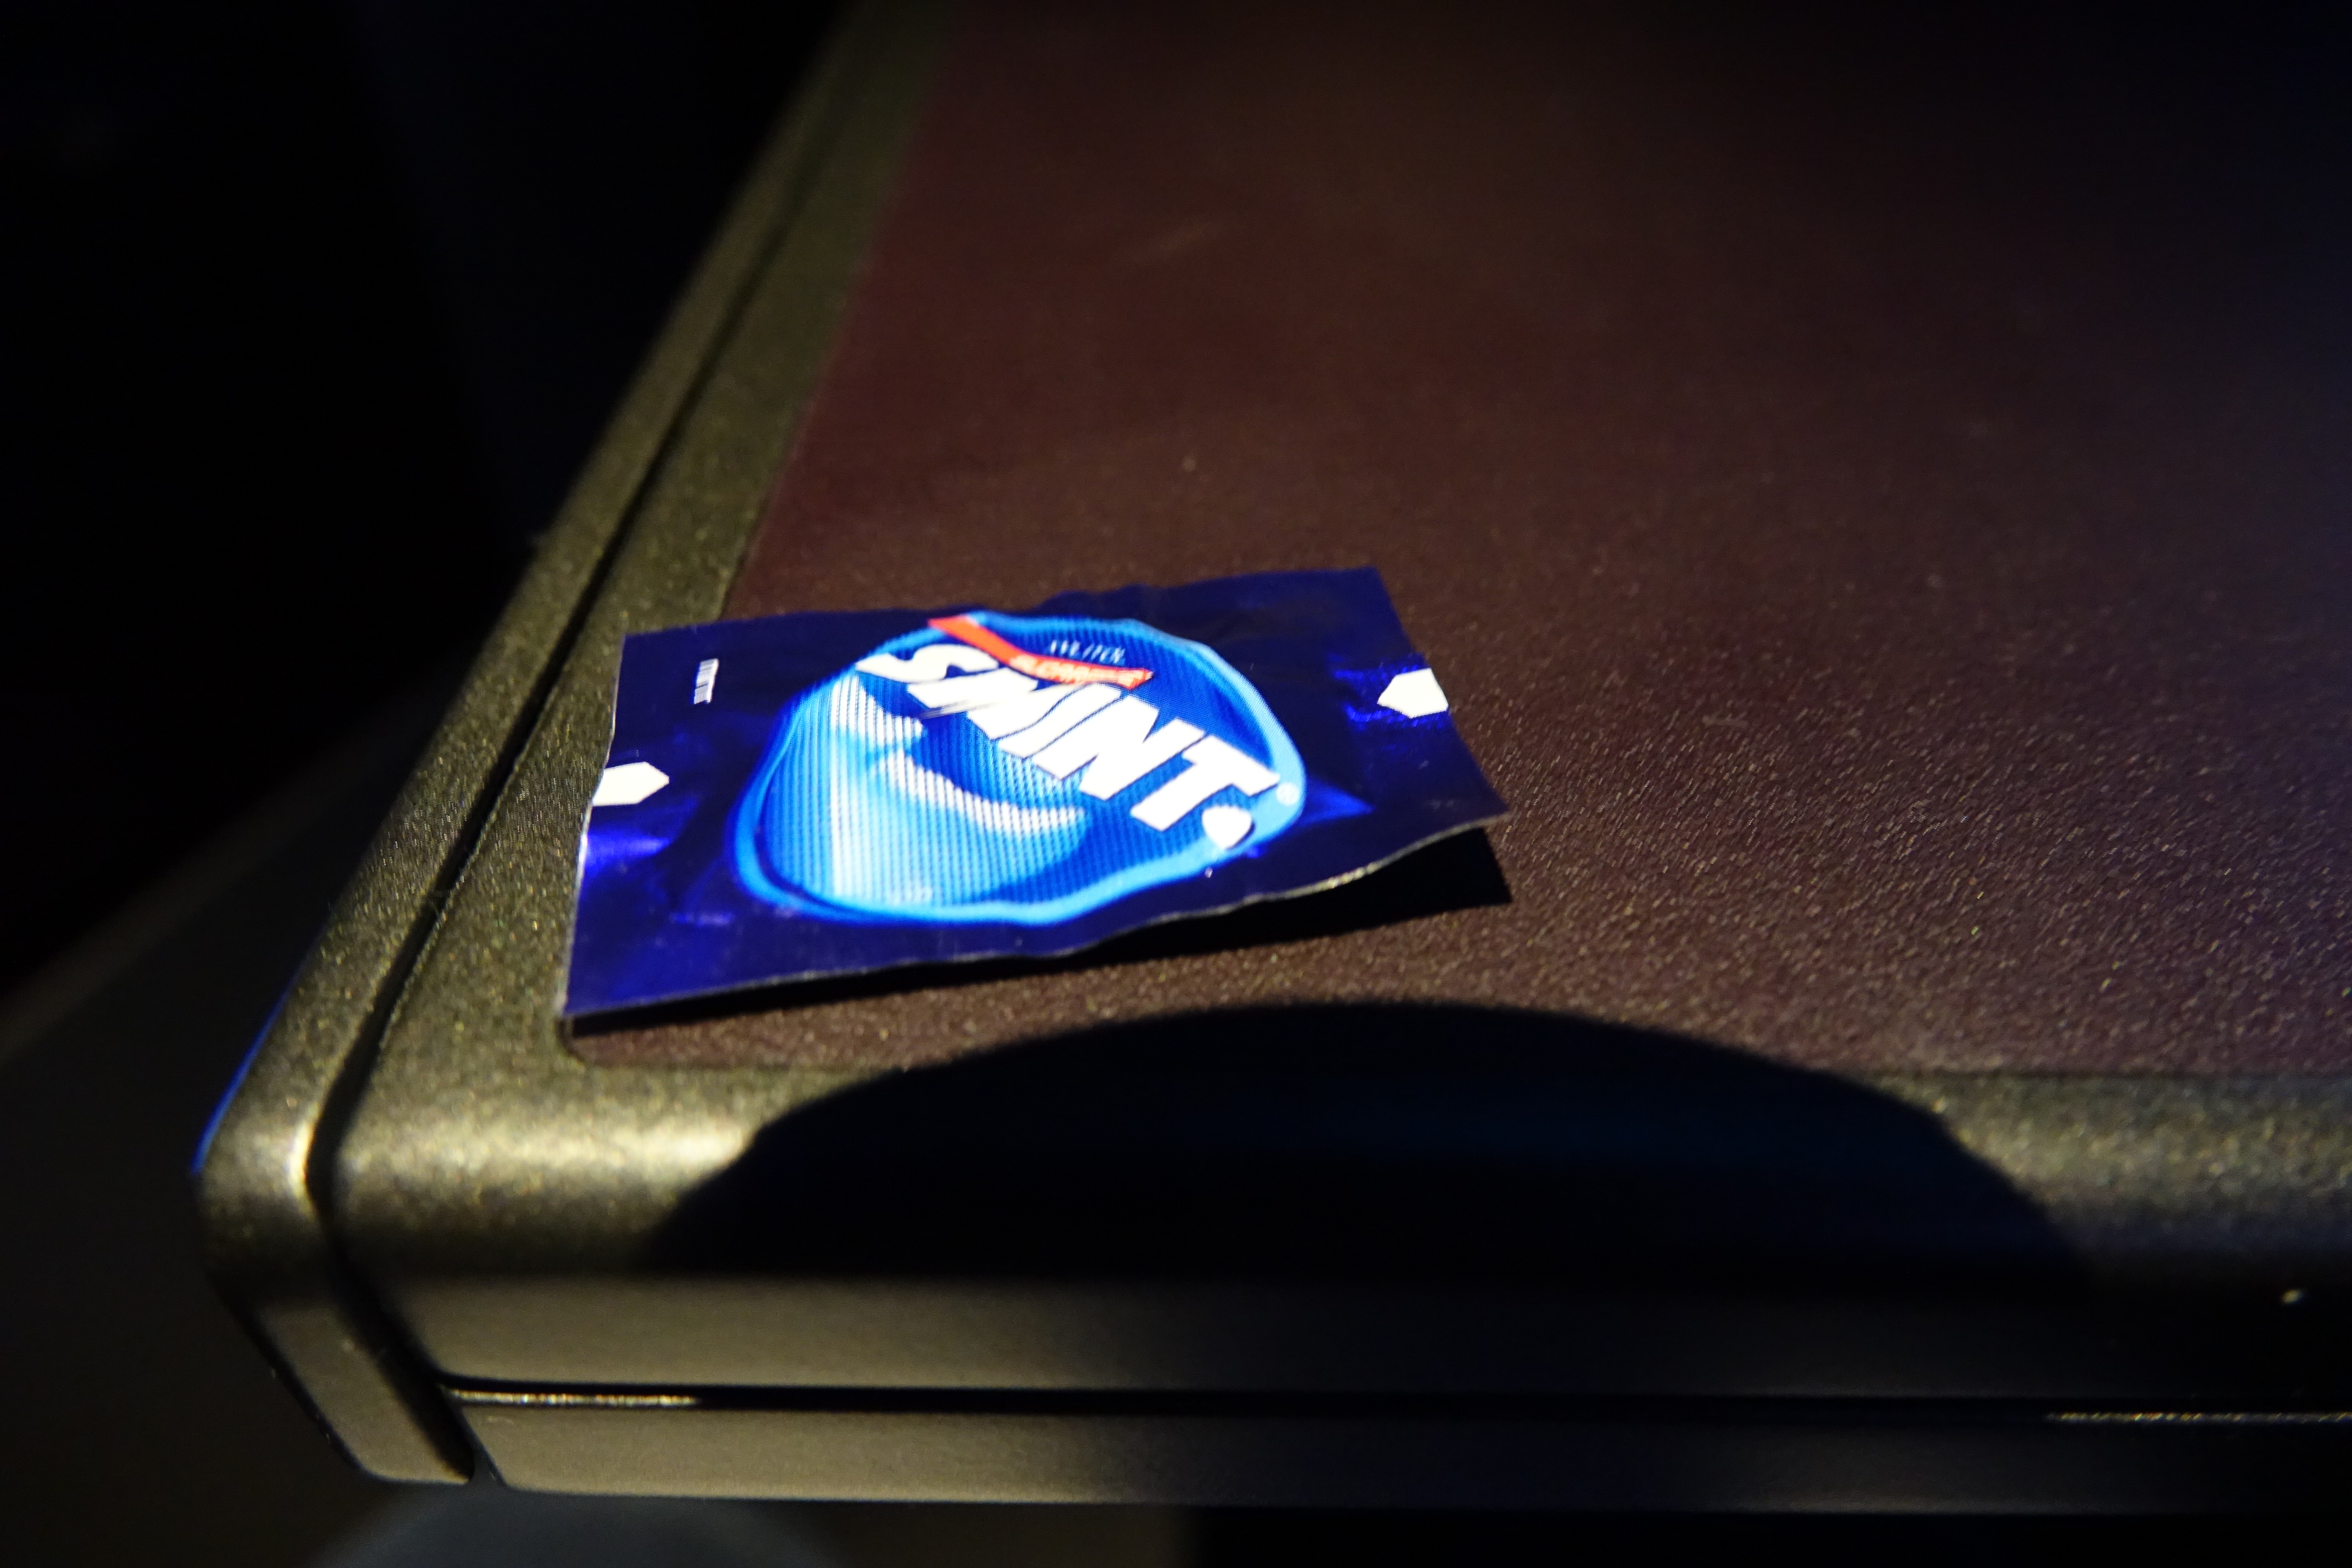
[(1067, 671)]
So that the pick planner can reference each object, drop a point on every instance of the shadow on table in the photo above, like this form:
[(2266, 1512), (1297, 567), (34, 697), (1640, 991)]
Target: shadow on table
[(1444, 1143)]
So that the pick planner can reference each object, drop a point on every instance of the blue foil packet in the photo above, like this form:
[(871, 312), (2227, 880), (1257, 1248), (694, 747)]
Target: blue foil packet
[(826, 793)]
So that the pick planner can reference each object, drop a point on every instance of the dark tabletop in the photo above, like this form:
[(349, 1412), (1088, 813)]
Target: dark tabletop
[(1883, 537)]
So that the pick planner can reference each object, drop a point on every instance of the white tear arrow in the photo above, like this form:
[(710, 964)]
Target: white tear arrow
[(628, 783), (1416, 694)]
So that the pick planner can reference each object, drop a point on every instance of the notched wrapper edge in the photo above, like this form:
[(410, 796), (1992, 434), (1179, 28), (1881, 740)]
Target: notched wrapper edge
[(823, 794)]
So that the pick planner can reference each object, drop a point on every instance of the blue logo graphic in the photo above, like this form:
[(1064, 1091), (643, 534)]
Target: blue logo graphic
[(1010, 768)]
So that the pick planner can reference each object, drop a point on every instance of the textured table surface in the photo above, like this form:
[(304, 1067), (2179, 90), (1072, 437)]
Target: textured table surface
[(1887, 545)]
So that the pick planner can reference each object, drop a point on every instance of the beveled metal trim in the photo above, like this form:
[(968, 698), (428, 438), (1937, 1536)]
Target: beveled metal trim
[(260, 1181), (1780, 1458)]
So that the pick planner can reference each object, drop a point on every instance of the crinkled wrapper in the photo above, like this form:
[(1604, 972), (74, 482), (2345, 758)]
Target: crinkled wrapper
[(826, 794)]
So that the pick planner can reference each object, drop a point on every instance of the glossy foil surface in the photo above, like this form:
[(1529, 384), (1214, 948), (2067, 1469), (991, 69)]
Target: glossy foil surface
[(828, 793)]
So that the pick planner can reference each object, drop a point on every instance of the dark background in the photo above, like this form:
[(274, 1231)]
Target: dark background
[(308, 311)]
